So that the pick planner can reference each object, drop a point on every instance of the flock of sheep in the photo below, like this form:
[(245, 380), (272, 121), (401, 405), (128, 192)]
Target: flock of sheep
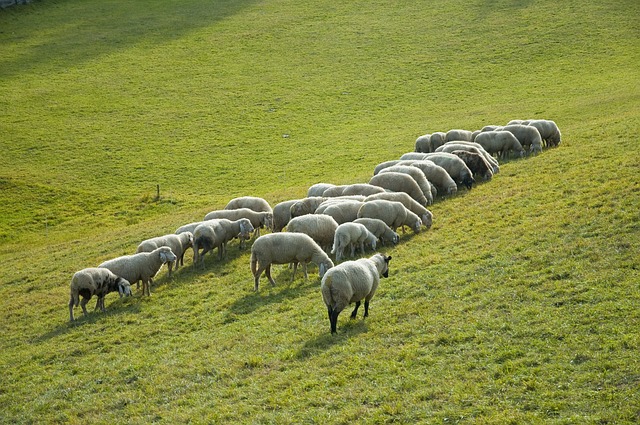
[(331, 220)]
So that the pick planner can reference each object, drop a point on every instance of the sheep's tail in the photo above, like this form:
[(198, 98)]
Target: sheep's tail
[(254, 263), (326, 291), (335, 245)]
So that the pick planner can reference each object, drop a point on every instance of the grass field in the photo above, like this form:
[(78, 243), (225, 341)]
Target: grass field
[(520, 305)]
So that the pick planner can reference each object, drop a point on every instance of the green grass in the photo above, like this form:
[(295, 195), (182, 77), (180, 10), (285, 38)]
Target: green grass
[(520, 305)]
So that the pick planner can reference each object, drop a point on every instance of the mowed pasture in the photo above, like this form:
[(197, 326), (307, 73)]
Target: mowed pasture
[(519, 305)]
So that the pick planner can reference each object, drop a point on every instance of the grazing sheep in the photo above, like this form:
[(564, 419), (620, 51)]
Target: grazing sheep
[(394, 214), (178, 243), (529, 137), (437, 139), (480, 168), (549, 131), (285, 248), (437, 176), (522, 122), (409, 203), (490, 128), (456, 167), (400, 182), (352, 282), (282, 214), (252, 202), (320, 227), (94, 281), (380, 229), (188, 227), (385, 164), (423, 144), (352, 235), (216, 233), (334, 191), (342, 211), (143, 266), (306, 206), (412, 156), (363, 189), (456, 134), (417, 174), (472, 147), (258, 219), (318, 188), (500, 143)]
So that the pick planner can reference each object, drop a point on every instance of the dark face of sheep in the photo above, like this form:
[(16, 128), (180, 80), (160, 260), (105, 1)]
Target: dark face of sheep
[(385, 273), (468, 182), (124, 287)]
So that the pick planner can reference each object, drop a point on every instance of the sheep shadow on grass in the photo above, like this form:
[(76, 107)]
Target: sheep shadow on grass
[(347, 328)]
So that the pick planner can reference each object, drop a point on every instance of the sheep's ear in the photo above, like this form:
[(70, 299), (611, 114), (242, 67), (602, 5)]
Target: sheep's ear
[(387, 259), (120, 289)]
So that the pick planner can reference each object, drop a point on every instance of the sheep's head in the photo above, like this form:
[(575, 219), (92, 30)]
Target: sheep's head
[(324, 266), (416, 226), (268, 221), (396, 238), (468, 181), (124, 287), (427, 220), (166, 255), (385, 268)]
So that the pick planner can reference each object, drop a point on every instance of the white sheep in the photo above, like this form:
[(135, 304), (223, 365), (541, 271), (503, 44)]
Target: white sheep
[(188, 227), (412, 156), (409, 203), (254, 203), (400, 182), (342, 211), (380, 229), (306, 206), (438, 176), (178, 243), (529, 137), (352, 235), (456, 134), (95, 281), (386, 164), (500, 143), (352, 282), (363, 189), (418, 175), (286, 248), (320, 227), (317, 189), (437, 139), (282, 214), (423, 144), (143, 266), (472, 147), (549, 131), (216, 233), (258, 219), (455, 166), (394, 214)]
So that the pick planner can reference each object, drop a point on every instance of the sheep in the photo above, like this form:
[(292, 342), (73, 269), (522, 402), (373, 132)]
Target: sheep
[(476, 163), (143, 266), (282, 214), (380, 229), (529, 137), (352, 281), (456, 134), (500, 143), (473, 147), (216, 233), (394, 214), (400, 182), (252, 202), (320, 227), (490, 128), (409, 203), (306, 206), (423, 144), (522, 122), (437, 176), (318, 188), (285, 248), (386, 164), (416, 173), (437, 139), (94, 281), (188, 227), (352, 235), (456, 167), (363, 189), (258, 219), (415, 156), (549, 131), (178, 243), (342, 211)]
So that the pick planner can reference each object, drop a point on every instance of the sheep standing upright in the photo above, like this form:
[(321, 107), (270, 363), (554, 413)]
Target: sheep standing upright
[(178, 243), (95, 281), (352, 281), (254, 203), (352, 235)]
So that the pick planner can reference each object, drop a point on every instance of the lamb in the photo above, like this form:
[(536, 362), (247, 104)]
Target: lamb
[(282, 214), (258, 219), (380, 229), (320, 227), (456, 167), (409, 203), (306, 206), (95, 281), (143, 266), (416, 173), (178, 243), (318, 188), (252, 202), (453, 135), (352, 235), (472, 147), (423, 144), (341, 211), (500, 143), (437, 139), (352, 281), (549, 131), (216, 233), (438, 176), (394, 214), (400, 182), (529, 137), (285, 248)]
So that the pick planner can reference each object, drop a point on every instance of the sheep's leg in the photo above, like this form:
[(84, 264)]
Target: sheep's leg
[(355, 310), (97, 304), (170, 266), (304, 269), (268, 273), (71, 309), (295, 267), (366, 308), (83, 304), (256, 277), (353, 249), (333, 320)]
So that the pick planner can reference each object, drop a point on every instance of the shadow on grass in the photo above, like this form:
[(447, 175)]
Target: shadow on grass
[(347, 328)]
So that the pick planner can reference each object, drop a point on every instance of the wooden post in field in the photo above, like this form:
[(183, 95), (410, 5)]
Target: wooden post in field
[(157, 192)]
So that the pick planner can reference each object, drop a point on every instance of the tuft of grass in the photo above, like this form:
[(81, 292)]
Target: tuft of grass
[(519, 305)]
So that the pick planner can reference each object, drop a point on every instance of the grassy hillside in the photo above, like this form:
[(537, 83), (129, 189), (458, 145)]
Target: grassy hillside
[(520, 305)]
